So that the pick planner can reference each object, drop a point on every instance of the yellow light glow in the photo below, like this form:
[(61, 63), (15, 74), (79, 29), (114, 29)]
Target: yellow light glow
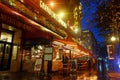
[(113, 38), (76, 30), (52, 4), (61, 14)]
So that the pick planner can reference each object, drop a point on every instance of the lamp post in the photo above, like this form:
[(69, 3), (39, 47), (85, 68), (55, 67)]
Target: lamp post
[(115, 40)]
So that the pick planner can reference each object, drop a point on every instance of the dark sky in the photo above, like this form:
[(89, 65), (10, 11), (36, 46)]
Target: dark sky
[(89, 8)]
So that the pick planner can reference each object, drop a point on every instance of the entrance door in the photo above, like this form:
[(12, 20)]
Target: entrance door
[(5, 55)]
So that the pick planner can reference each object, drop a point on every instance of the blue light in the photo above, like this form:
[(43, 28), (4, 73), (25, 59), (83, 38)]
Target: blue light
[(119, 65)]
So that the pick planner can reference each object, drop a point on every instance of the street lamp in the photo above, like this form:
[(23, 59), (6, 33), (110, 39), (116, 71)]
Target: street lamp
[(113, 38), (51, 4), (76, 30)]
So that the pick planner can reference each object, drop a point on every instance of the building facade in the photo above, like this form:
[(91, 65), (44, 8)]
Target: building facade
[(29, 34), (89, 42), (24, 37)]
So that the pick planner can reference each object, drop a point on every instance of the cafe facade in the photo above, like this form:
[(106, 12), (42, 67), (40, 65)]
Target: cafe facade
[(31, 43)]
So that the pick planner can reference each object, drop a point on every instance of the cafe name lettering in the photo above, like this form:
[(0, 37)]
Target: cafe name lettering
[(51, 13)]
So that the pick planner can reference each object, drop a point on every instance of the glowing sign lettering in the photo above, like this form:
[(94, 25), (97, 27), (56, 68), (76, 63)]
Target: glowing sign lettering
[(51, 13)]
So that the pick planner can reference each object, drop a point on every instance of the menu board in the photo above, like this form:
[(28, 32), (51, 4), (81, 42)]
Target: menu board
[(48, 54), (48, 50), (48, 57)]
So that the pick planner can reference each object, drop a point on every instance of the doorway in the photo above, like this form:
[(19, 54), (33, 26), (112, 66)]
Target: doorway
[(6, 39), (5, 55)]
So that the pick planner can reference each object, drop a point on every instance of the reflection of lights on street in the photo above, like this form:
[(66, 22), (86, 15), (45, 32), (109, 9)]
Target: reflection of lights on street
[(100, 67), (119, 65), (118, 62), (99, 58), (107, 66), (86, 76), (94, 77)]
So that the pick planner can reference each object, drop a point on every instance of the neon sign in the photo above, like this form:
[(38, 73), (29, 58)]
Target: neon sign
[(51, 13)]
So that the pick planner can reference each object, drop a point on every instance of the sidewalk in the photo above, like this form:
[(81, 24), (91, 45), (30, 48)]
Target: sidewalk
[(29, 76), (114, 75), (17, 76)]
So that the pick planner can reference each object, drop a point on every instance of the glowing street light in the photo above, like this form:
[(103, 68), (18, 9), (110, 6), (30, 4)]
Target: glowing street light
[(76, 30), (52, 4), (113, 38)]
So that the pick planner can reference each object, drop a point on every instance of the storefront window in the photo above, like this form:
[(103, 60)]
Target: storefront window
[(37, 52), (7, 37), (14, 53), (59, 54)]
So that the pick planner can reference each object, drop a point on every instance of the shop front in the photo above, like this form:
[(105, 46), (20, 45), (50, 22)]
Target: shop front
[(33, 54), (58, 53), (23, 41), (30, 45), (9, 47), (68, 54), (63, 55), (5, 49)]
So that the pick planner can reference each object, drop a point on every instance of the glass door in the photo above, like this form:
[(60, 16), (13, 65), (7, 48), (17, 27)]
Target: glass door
[(1, 54), (6, 41), (5, 55)]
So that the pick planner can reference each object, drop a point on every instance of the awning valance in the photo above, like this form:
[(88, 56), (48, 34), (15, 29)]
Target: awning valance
[(73, 46)]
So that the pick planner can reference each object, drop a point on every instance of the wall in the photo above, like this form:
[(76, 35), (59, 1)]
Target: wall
[(15, 63)]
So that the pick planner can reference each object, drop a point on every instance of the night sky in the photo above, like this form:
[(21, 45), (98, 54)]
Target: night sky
[(89, 8)]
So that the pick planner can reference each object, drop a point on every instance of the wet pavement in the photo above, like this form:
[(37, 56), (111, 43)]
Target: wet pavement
[(80, 75), (99, 73)]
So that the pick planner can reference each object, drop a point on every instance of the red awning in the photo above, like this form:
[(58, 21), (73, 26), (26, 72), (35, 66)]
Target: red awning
[(68, 42), (65, 41), (17, 17)]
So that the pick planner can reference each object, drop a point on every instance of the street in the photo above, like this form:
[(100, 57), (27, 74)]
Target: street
[(100, 73)]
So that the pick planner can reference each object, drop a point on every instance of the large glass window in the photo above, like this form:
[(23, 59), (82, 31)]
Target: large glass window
[(7, 37), (14, 52)]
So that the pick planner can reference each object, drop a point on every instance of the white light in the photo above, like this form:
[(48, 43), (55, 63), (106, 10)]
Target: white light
[(61, 15), (40, 47), (52, 4), (33, 56), (76, 30), (113, 38)]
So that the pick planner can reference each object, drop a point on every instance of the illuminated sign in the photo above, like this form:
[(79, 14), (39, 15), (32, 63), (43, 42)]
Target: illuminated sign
[(110, 50), (51, 13)]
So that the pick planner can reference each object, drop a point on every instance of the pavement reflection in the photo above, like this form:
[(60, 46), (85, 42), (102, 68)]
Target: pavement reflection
[(101, 72)]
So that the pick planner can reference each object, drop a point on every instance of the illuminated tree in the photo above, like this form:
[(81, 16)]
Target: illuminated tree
[(108, 17)]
